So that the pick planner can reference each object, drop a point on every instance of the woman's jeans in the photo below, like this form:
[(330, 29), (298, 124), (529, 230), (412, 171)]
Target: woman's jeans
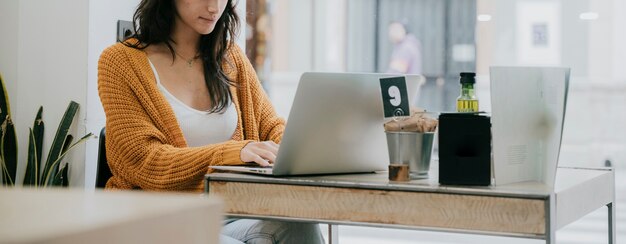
[(252, 231)]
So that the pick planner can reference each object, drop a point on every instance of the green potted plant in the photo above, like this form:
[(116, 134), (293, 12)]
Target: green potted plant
[(39, 173)]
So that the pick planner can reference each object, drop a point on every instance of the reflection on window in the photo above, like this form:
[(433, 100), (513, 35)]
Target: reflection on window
[(430, 37), (446, 37), (258, 30)]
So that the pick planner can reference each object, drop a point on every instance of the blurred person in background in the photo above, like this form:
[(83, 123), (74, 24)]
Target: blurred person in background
[(406, 57)]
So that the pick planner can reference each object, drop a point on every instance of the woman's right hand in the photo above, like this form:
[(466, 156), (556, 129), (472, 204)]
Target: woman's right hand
[(263, 153)]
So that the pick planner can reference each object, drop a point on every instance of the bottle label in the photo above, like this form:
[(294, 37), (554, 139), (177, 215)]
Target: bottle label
[(464, 106)]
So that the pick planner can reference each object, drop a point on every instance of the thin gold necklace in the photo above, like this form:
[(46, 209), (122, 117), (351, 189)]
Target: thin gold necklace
[(189, 61)]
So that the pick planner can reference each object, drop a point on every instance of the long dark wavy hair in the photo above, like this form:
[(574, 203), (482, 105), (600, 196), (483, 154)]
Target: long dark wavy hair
[(153, 23)]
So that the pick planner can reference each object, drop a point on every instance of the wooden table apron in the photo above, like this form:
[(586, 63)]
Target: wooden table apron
[(370, 200)]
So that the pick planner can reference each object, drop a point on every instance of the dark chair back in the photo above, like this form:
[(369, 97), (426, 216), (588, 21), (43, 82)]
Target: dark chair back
[(103, 172)]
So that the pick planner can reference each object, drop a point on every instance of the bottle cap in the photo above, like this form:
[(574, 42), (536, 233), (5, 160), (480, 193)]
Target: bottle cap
[(468, 77)]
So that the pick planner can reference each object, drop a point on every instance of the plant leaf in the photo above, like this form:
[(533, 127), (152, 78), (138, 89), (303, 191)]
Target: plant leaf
[(59, 140), (38, 130), (48, 176), (5, 112), (8, 152), (60, 179), (3, 168), (30, 177), (68, 141), (66, 180), (5, 109)]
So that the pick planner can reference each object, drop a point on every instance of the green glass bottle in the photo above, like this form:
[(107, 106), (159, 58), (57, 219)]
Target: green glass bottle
[(467, 101)]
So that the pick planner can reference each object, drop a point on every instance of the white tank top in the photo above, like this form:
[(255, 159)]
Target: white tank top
[(200, 127)]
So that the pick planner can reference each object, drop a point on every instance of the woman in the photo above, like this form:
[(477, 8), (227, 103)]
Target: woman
[(180, 96)]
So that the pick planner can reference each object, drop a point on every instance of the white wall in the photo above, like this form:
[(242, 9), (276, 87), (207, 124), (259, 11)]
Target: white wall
[(8, 47), (51, 71)]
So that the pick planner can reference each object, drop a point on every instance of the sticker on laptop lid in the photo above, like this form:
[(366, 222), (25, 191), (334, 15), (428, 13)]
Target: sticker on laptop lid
[(395, 97)]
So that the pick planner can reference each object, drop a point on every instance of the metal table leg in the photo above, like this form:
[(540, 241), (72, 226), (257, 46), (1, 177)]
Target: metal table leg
[(611, 223), (333, 234), (551, 219)]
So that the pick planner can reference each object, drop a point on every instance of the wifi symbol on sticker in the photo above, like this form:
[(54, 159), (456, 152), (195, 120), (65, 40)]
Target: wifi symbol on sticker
[(398, 112)]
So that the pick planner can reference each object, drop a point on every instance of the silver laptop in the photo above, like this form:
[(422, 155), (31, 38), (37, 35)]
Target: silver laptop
[(335, 126)]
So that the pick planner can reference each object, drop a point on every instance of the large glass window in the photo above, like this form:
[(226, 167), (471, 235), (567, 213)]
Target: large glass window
[(440, 38)]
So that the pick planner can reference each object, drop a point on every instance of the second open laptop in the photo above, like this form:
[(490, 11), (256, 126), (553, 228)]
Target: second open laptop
[(335, 126)]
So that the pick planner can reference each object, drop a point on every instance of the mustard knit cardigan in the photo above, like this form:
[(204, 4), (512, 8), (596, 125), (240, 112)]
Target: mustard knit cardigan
[(145, 146)]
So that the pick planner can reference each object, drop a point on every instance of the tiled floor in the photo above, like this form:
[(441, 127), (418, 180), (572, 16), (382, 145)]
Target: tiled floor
[(588, 230)]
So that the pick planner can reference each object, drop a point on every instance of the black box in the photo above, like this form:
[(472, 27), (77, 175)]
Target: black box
[(464, 149)]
